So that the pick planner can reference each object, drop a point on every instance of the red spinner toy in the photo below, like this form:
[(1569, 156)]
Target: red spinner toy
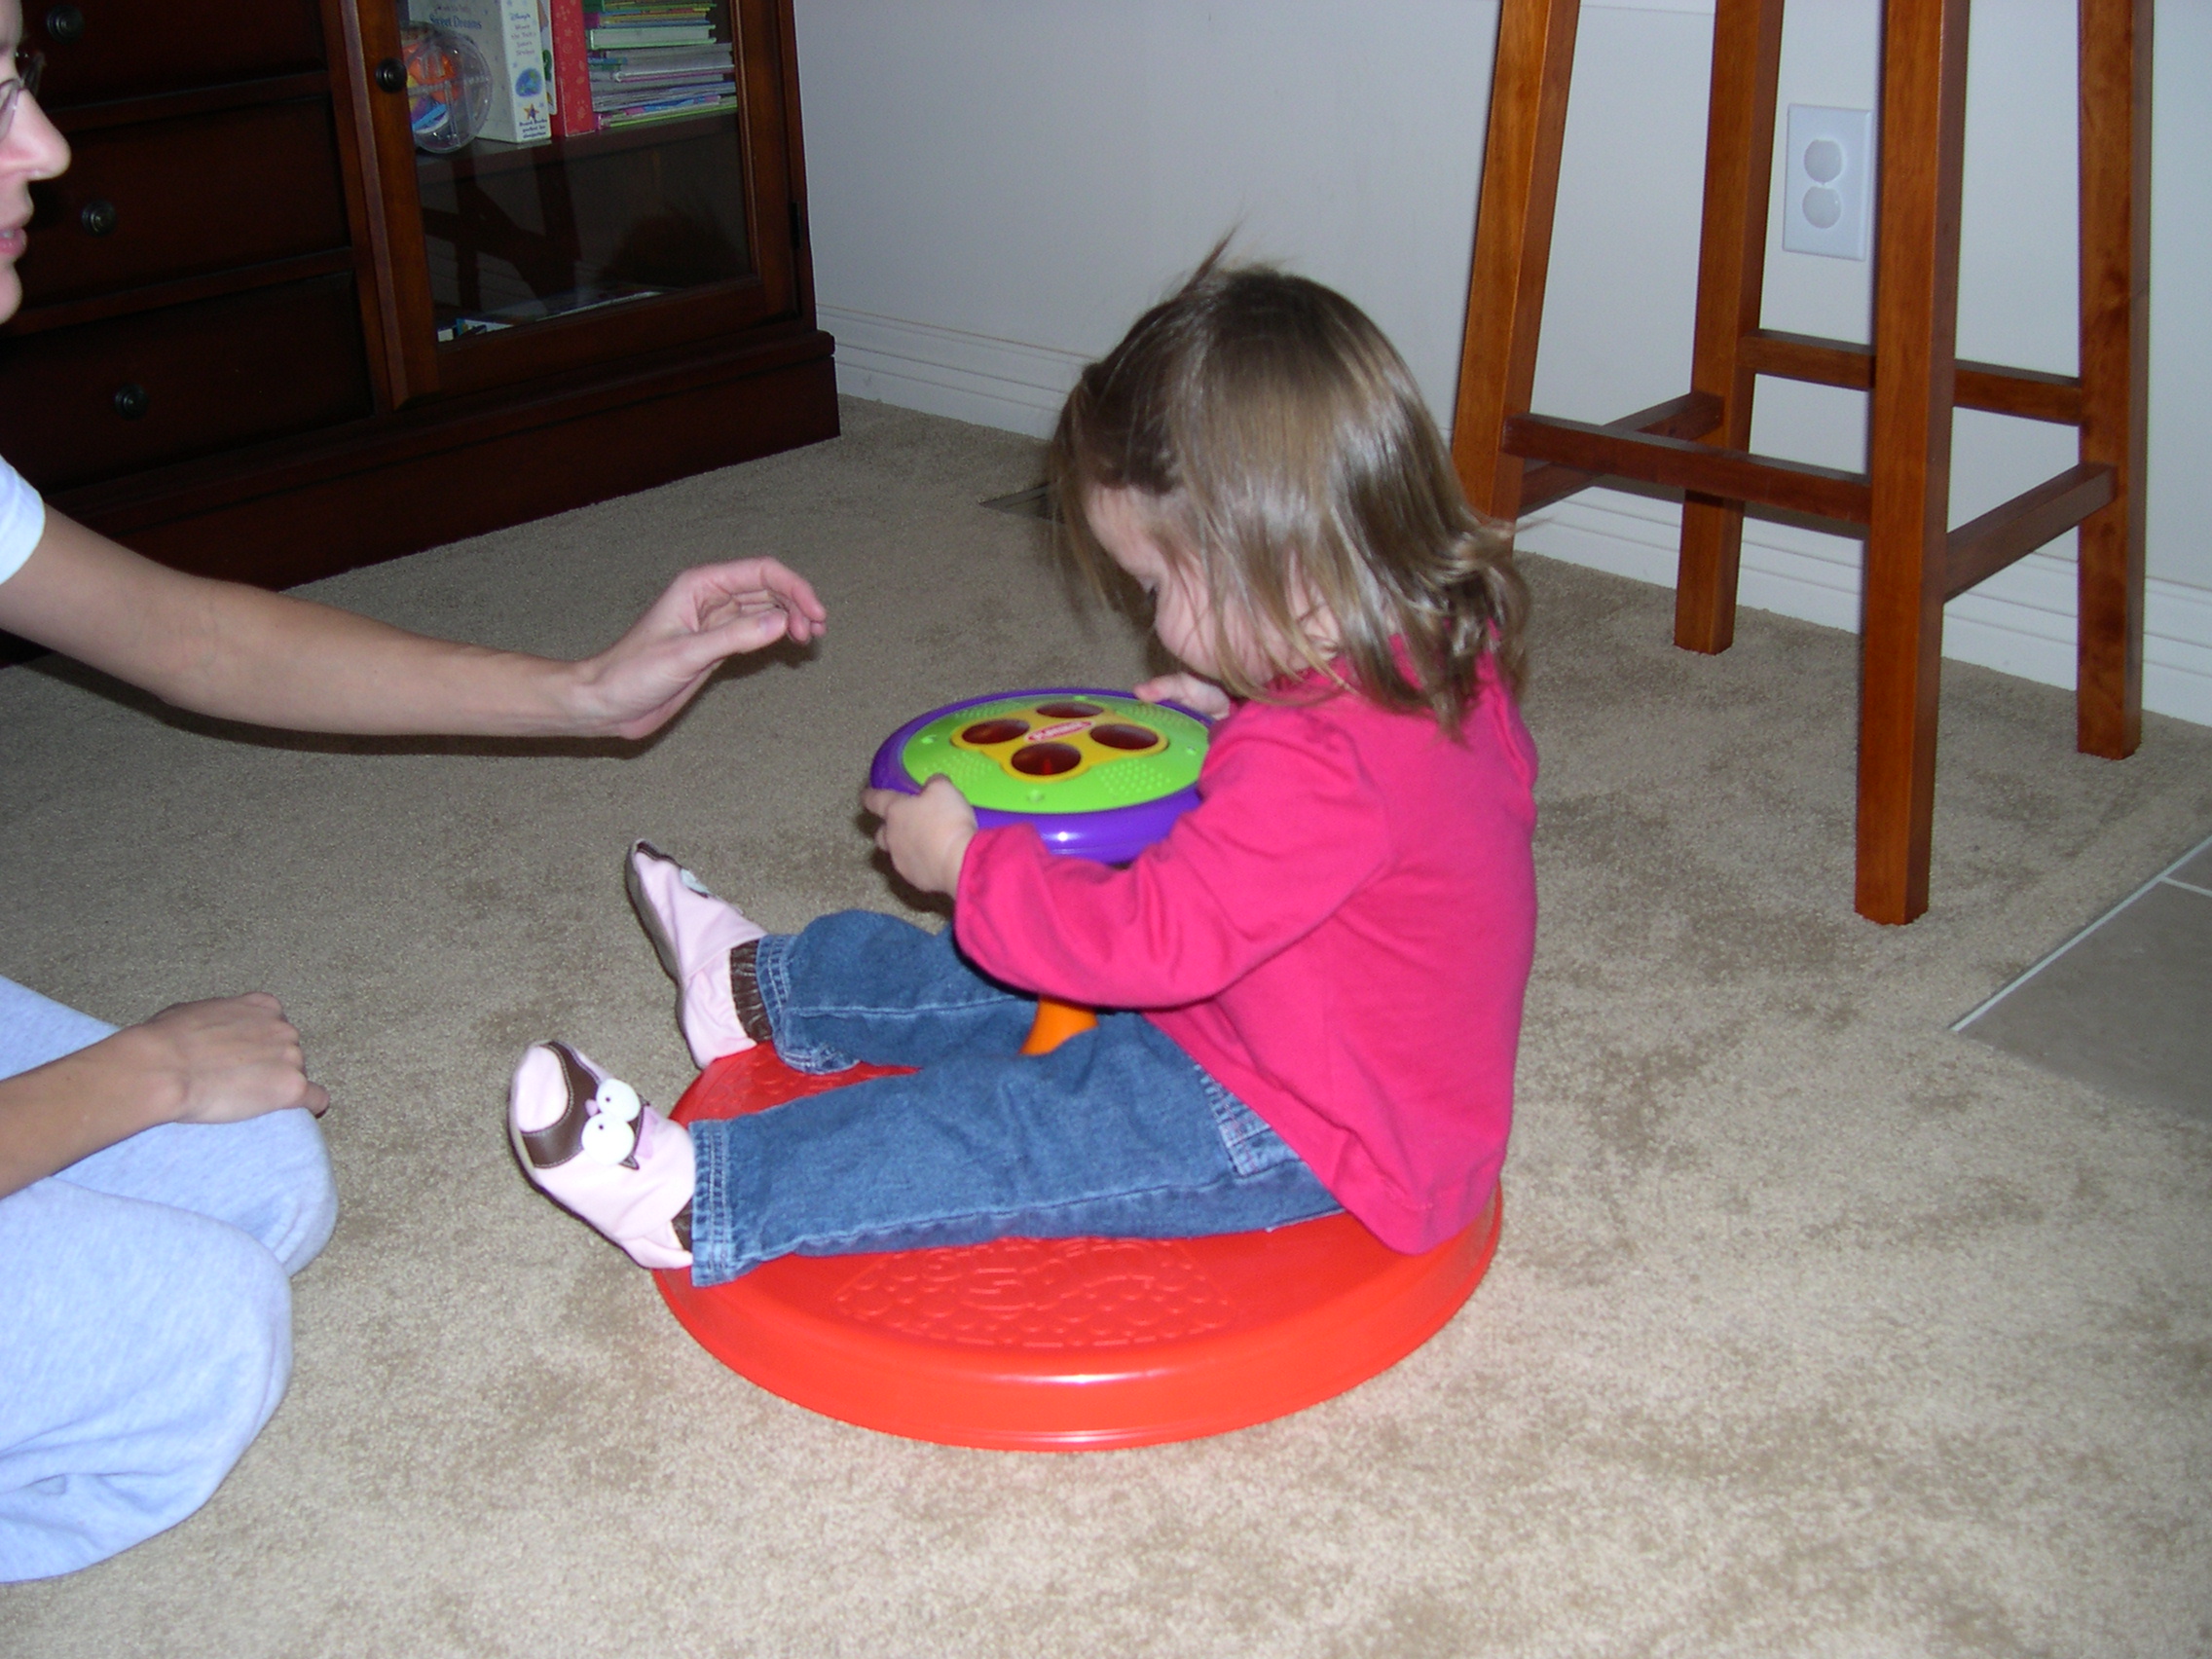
[(1068, 1344)]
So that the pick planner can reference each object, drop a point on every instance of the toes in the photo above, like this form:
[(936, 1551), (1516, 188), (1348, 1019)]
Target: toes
[(554, 1089)]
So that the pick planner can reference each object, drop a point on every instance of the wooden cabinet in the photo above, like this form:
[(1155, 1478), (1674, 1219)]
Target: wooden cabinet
[(263, 336)]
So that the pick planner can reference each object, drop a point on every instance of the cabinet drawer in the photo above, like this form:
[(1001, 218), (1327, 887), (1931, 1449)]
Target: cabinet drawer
[(169, 199), (96, 50), (82, 404)]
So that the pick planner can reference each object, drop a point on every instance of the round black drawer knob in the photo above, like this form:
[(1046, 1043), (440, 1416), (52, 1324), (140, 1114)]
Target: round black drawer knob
[(130, 401), (64, 24), (98, 218), (391, 75)]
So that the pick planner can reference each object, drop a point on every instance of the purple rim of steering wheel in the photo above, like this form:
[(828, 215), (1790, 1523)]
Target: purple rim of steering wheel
[(1114, 836)]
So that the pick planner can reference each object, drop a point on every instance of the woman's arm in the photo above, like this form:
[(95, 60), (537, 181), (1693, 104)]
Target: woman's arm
[(245, 654), (203, 1063)]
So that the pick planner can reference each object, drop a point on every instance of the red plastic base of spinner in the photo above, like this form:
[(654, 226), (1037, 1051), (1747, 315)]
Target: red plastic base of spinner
[(1067, 1344)]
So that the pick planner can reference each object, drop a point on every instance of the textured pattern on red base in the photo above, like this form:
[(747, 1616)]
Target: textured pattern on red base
[(1071, 1344), (1041, 1293)]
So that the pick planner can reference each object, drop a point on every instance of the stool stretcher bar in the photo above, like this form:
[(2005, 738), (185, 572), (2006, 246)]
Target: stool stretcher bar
[(1512, 462)]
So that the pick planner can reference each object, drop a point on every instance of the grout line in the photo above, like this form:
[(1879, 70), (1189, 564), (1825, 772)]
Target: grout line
[(2188, 886), (2164, 876)]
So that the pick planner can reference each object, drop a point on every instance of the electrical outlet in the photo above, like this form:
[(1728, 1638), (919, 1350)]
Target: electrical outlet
[(1827, 187)]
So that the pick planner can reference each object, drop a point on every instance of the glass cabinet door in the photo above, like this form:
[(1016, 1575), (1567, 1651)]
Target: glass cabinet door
[(529, 251)]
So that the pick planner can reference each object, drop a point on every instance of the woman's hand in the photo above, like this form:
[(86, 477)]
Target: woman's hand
[(203, 1062), (926, 834), (638, 683), (219, 1061), (1201, 695)]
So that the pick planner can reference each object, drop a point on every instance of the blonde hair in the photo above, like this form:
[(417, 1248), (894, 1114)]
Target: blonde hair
[(1276, 444)]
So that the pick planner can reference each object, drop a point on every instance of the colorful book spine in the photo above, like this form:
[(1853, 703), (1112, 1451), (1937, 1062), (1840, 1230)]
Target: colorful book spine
[(658, 60), (507, 33), (629, 36), (572, 114), (700, 58), (545, 53)]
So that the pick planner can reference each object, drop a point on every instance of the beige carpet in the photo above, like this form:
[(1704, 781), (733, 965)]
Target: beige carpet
[(1815, 1329)]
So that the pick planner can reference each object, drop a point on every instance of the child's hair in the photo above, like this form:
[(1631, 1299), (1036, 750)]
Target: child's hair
[(1276, 441)]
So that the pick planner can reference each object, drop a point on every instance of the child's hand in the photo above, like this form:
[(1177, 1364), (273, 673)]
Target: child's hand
[(1188, 689), (926, 834)]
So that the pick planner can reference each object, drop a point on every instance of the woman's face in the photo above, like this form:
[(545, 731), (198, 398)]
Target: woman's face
[(31, 150)]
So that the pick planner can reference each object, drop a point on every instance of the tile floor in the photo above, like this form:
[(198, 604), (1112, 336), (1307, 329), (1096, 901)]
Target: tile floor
[(2126, 1005)]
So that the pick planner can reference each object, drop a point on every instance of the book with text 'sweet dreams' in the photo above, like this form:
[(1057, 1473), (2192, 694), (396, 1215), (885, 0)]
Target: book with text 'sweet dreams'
[(511, 36)]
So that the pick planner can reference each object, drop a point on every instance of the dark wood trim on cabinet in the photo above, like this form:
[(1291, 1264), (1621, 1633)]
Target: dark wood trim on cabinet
[(295, 510), (233, 364), (387, 230)]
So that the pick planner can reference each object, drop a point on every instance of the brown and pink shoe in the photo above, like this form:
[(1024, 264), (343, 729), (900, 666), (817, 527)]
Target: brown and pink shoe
[(594, 1147), (696, 937)]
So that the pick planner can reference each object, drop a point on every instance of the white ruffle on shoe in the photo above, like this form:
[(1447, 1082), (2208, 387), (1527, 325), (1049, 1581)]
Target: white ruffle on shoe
[(694, 932), (590, 1144)]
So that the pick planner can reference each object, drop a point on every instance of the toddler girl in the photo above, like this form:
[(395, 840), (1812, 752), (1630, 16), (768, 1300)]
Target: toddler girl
[(1319, 968)]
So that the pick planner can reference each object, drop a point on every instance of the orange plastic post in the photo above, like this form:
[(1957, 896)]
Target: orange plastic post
[(1055, 1024)]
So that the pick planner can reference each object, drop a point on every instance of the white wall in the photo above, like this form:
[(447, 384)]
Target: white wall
[(999, 186)]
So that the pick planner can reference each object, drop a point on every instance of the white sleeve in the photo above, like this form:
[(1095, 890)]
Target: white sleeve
[(23, 520)]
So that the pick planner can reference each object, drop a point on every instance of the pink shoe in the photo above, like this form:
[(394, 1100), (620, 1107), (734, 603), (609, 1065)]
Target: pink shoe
[(593, 1146), (694, 932)]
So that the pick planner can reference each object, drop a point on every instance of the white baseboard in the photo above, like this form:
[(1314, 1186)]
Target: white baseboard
[(944, 371), (2020, 621)]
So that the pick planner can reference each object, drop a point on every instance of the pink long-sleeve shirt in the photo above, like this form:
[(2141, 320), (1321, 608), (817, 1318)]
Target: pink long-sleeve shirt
[(1339, 933)]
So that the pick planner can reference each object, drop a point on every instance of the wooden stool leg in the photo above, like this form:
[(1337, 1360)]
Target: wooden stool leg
[(1513, 246), (1916, 305), (1739, 152), (2116, 332)]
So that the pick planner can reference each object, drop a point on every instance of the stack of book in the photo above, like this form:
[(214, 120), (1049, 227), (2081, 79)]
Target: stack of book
[(657, 61)]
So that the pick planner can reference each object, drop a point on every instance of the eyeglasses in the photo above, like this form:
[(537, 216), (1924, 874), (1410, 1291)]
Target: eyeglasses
[(27, 73)]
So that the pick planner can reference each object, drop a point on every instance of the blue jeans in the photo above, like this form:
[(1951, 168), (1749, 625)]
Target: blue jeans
[(1115, 1133), (145, 1314)]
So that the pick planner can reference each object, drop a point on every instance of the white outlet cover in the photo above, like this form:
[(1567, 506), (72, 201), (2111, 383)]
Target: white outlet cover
[(1828, 181)]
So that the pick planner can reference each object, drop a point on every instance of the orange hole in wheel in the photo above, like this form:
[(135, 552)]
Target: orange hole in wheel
[(983, 733), (1046, 759), (1129, 737), (1067, 1344)]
